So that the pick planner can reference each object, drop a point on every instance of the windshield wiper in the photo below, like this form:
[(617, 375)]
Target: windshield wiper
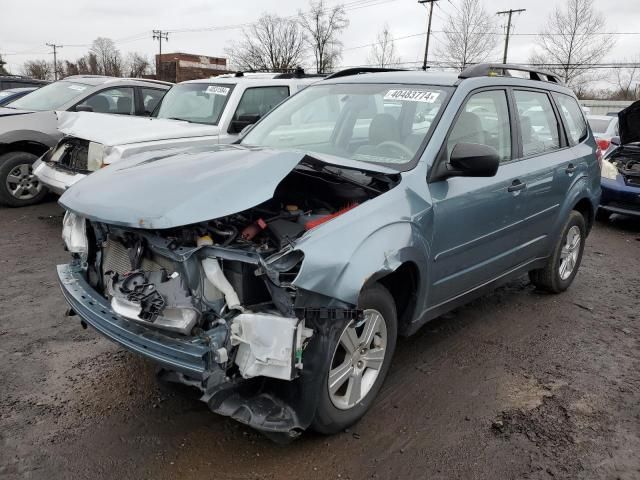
[(180, 119)]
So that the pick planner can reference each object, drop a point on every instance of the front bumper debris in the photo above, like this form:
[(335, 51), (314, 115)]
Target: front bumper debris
[(192, 359), (56, 180), (280, 408)]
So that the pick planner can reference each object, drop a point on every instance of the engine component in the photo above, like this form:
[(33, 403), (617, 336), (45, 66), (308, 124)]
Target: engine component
[(155, 299), (284, 231), (326, 218), (252, 230)]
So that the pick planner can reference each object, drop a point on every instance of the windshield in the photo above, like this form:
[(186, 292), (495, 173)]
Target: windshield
[(195, 102), (599, 125), (50, 97), (367, 122)]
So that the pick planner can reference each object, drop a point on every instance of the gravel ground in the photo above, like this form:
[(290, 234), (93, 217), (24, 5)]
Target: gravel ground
[(518, 384)]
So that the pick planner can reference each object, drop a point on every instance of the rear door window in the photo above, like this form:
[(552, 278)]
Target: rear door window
[(572, 117), (112, 100), (538, 122)]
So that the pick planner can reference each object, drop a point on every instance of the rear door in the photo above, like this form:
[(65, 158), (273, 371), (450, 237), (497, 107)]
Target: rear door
[(546, 167), (476, 231)]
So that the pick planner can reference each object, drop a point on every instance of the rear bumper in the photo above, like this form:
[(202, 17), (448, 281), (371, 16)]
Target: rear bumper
[(618, 197), (174, 354), (56, 180)]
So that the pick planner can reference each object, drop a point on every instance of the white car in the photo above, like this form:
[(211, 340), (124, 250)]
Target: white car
[(604, 128), (196, 112)]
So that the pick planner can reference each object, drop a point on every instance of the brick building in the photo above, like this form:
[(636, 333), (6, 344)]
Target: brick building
[(178, 67)]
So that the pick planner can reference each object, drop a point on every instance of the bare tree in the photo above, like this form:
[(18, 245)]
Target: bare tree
[(108, 57), (272, 43), (383, 52), (137, 65), (570, 43), (468, 35), (627, 81), (40, 69), (323, 25)]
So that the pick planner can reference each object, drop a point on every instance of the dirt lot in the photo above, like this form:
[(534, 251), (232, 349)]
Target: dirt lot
[(516, 385)]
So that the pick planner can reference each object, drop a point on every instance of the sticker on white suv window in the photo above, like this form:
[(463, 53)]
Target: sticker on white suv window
[(412, 95), (77, 88), (224, 91)]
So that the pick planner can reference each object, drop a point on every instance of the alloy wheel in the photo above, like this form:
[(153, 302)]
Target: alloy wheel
[(22, 183), (570, 252), (357, 360)]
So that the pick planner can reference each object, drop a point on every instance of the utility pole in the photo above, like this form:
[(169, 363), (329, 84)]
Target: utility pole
[(55, 58), (506, 40), (426, 47), (159, 35)]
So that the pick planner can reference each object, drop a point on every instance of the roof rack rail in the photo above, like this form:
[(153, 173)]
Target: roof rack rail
[(300, 73), (503, 70), (358, 70), (149, 80)]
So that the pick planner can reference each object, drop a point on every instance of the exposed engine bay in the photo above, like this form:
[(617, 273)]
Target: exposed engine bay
[(229, 279), (627, 160)]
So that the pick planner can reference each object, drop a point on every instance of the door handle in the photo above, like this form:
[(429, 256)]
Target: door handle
[(516, 186), (570, 168)]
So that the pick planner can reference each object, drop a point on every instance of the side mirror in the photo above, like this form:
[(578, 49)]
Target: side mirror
[(242, 122), (474, 160), (615, 140), (84, 108)]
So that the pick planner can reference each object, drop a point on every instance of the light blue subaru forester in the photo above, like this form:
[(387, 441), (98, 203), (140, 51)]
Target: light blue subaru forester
[(274, 275)]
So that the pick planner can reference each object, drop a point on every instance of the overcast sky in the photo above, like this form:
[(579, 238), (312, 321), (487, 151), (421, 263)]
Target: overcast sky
[(26, 25)]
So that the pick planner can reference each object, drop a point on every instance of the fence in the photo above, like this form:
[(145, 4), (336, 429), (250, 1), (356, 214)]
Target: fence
[(603, 107)]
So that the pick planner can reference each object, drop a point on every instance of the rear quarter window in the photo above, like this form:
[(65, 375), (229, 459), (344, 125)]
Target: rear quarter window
[(572, 118)]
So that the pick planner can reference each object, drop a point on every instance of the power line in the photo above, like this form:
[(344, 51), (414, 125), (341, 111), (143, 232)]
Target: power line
[(426, 47), (509, 12), (55, 58)]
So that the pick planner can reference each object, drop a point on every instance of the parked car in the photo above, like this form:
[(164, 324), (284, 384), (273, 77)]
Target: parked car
[(196, 112), (11, 94), (604, 128), (17, 81), (29, 125), (275, 274), (621, 168)]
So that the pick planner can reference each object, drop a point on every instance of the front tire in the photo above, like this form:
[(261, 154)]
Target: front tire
[(562, 266), (359, 363), (19, 187)]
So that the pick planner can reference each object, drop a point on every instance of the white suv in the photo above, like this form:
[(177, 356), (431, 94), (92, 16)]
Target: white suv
[(196, 112)]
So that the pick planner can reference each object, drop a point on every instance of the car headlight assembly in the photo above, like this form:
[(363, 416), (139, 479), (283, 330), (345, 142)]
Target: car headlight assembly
[(608, 170), (95, 156), (74, 234)]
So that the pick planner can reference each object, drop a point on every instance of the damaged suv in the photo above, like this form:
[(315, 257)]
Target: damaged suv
[(275, 274)]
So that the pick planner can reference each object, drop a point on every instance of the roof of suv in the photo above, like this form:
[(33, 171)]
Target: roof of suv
[(503, 74), (95, 80), (256, 77)]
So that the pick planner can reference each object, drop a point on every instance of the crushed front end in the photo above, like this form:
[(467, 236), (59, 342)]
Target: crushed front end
[(214, 305)]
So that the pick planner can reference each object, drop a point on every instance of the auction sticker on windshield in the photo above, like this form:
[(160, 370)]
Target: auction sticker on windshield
[(77, 88), (424, 96), (224, 91)]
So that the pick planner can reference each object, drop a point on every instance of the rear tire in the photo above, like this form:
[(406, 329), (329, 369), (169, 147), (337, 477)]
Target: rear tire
[(18, 186), (564, 262), (338, 407)]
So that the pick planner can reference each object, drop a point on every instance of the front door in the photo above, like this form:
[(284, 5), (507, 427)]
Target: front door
[(476, 232)]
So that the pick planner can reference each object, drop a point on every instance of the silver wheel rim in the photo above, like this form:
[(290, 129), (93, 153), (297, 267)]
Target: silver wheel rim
[(22, 183), (569, 253), (357, 360)]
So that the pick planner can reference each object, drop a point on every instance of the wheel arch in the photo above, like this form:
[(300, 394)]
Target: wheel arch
[(403, 284), (585, 207), (29, 146)]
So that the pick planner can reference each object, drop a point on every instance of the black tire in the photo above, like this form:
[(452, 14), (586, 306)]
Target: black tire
[(549, 278), (329, 419), (603, 215), (8, 163)]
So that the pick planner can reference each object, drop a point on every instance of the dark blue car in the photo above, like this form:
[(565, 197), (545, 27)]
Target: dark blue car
[(621, 169), (11, 94)]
